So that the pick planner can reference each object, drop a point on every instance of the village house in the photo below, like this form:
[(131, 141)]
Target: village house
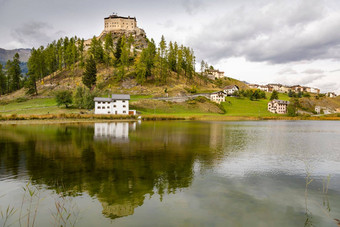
[(218, 97), (331, 94), (253, 86), (278, 106), (231, 89), (117, 104), (314, 90), (214, 74), (274, 87), (285, 89), (324, 110), (264, 88)]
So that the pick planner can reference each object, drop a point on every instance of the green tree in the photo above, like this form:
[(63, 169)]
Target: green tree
[(275, 95), (172, 57), (292, 107), (118, 51), (96, 49), (90, 74), (108, 49), (81, 49), (2, 81), (83, 98), (64, 98), (14, 73), (290, 93), (31, 85)]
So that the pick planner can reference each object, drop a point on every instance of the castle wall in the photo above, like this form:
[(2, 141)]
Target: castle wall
[(119, 23)]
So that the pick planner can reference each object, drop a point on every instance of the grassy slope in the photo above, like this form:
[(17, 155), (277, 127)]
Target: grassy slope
[(246, 107)]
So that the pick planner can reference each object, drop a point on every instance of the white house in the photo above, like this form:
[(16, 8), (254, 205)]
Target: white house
[(117, 104), (278, 106), (218, 97), (231, 89)]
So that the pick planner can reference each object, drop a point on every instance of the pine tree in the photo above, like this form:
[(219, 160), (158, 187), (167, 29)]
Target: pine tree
[(275, 95), (14, 73), (172, 57), (108, 49), (2, 81), (118, 51), (90, 74), (96, 49), (81, 48)]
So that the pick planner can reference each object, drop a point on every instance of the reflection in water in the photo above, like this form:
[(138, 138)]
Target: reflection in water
[(177, 172), (117, 131), (120, 175)]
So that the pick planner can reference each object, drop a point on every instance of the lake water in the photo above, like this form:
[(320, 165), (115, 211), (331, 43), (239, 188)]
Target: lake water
[(171, 174)]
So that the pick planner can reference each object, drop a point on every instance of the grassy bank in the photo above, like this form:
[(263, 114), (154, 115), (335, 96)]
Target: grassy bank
[(234, 109)]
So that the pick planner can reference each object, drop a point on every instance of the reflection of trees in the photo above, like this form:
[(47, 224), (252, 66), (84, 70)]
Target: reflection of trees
[(159, 158)]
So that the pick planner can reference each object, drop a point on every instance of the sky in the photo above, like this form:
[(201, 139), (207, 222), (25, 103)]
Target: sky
[(259, 41)]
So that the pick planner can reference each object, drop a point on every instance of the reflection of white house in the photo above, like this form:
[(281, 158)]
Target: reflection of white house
[(231, 89), (117, 131), (218, 97), (117, 104)]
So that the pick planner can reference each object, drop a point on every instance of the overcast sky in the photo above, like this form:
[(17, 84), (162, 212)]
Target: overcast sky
[(258, 41)]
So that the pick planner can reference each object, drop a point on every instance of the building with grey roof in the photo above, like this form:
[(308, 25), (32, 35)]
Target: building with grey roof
[(118, 104)]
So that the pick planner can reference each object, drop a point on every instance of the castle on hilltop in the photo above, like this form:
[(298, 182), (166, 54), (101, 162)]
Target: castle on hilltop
[(117, 25)]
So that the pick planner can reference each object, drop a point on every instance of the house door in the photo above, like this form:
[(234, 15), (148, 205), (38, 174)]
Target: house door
[(116, 112)]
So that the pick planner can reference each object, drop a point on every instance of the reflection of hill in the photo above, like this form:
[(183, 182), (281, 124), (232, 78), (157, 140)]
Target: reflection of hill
[(159, 157)]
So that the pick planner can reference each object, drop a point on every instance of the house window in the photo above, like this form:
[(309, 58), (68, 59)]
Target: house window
[(123, 100), (99, 107), (124, 111), (99, 102), (124, 106), (114, 106), (114, 100)]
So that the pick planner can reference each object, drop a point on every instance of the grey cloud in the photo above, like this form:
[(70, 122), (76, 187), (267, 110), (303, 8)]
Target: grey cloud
[(333, 71), (35, 33), (306, 80), (313, 71), (167, 24), (275, 33), (192, 6), (287, 71)]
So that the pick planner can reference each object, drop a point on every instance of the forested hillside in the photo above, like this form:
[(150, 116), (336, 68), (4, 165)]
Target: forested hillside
[(119, 63)]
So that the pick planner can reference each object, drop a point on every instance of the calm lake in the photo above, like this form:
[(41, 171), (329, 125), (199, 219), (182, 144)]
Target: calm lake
[(180, 173)]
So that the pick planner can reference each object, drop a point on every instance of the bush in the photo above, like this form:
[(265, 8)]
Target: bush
[(83, 98), (21, 99), (192, 90), (64, 98)]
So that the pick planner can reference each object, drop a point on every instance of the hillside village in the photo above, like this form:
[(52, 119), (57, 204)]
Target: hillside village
[(125, 77)]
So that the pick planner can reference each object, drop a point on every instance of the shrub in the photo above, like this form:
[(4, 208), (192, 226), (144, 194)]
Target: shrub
[(83, 98), (21, 99)]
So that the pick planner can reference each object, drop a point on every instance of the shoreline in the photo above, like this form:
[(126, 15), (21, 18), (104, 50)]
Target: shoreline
[(91, 118)]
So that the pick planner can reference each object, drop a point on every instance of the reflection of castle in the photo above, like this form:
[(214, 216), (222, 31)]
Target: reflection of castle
[(117, 131)]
